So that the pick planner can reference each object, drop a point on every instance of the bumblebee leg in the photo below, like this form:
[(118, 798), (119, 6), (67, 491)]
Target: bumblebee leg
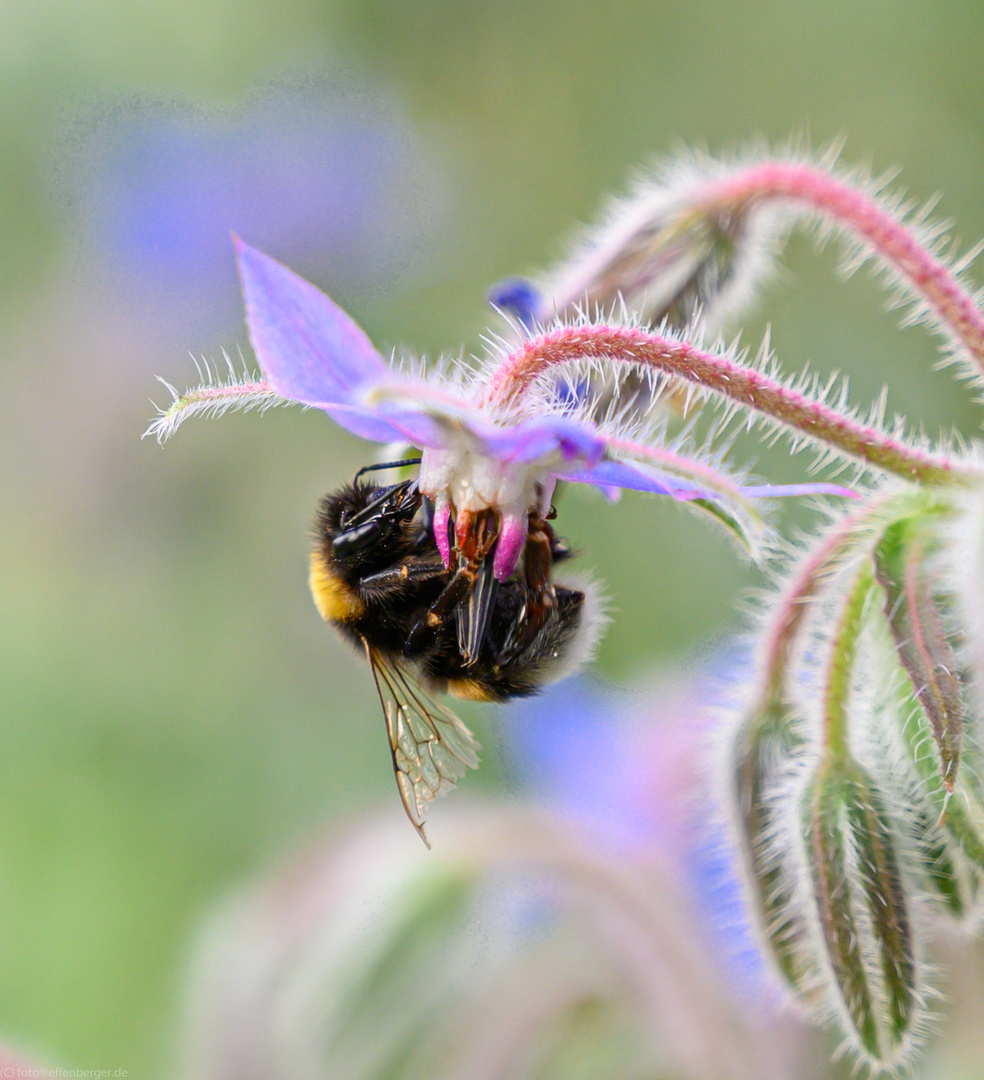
[(380, 586), (454, 593), (470, 592), (476, 535)]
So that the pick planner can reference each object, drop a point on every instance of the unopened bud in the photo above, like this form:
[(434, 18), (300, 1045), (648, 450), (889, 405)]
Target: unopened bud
[(949, 877), (666, 255), (921, 644), (860, 907), (959, 813), (761, 752)]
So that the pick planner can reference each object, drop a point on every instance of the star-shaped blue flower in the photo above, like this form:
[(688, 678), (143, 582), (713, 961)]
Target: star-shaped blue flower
[(495, 436)]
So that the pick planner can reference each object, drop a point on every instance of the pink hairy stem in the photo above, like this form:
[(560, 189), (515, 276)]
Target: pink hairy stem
[(797, 599), (220, 393), (855, 533), (800, 594), (747, 387), (861, 215)]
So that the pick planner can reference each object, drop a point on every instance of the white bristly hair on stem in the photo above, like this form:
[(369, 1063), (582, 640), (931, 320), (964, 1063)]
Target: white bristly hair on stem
[(241, 390), (733, 214)]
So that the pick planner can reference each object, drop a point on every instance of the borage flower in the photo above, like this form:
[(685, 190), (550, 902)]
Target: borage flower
[(494, 437)]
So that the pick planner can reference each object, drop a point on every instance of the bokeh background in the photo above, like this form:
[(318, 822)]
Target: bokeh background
[(173, 716)]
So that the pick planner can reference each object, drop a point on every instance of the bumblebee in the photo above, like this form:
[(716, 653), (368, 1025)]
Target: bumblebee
[(377, 575)]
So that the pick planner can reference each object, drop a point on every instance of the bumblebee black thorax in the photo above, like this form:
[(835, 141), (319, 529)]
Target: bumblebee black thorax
[(374, 567)]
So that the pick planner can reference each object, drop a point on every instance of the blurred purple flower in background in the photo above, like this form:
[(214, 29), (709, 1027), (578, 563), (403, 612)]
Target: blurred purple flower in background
[(631, 769), (578, 749), (325, 171)]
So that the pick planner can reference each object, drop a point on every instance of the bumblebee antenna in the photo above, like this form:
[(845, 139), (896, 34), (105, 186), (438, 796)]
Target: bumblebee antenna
[(385, 465)]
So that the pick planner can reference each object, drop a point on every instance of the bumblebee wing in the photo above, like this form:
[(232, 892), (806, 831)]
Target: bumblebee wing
[(430, 746)]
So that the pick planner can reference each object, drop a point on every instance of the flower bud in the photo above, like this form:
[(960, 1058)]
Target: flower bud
[(761, 753), (957, 817), (921, 644), (666, 255), (948, 876), (860, 907), (962, 562)]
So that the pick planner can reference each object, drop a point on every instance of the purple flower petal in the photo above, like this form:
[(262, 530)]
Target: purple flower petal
[(431, 417), (308, 348), (416, 426), (364, 422), (423, 414), (621, 474), (519, 298), (540, 438), (782, 491)]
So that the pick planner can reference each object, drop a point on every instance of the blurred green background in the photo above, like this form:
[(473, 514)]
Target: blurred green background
[(173, 713)]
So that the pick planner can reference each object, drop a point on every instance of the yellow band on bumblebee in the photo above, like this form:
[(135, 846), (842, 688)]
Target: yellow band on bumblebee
[(334, 598)]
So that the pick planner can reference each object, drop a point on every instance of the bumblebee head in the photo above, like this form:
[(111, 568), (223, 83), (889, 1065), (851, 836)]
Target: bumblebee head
[(364, 528)]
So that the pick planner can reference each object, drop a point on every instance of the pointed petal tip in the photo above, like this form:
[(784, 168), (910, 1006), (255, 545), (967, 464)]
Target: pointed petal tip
[(309, 349), (242, 249)]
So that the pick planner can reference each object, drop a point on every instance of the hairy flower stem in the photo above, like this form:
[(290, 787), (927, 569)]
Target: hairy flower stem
[(747, 387), (795, 603), (840, 664), (865, 526), (951, 304)]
